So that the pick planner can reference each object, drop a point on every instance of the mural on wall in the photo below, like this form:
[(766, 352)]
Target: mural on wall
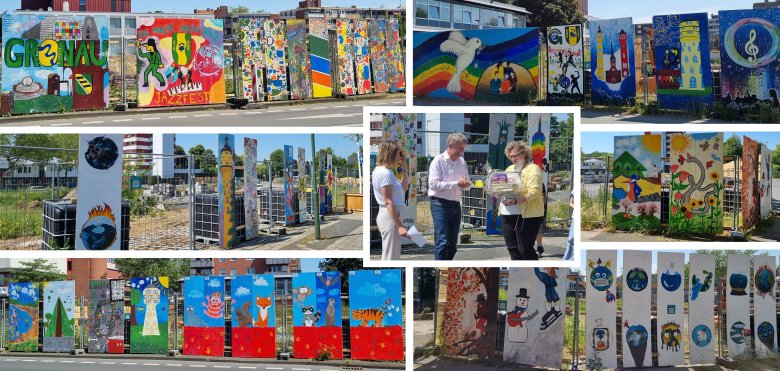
[(275, 39), (696, 164), (380, 63), (501, 132), (106, 316), (149, 315), (99, 210), (227, 191), (471, 311), (750, 192), (565, 64), (59, 310), (22, 317), (55, 63), (319, 52), (636, 182), (362, 63), (204, 316), (346, 56), (303, 214), (682, 60), (253, 317), (764, 304), (738, 306), (289, 192), (250, 188), (539, 138), (536, 298), (402, 128), (636, 291), (765, 182), (613, 77), (376, 315), (396, 78), (647, 72), (498, 65), (330, 179), (180, 62), (600, 299), (749, 43), (250, 36), (701, 325), (299, 66), (323, 188), (316, 306), (670, 299)]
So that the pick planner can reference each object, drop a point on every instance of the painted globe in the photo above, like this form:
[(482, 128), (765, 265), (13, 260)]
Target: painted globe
[(98, 233), (636, 279), (671, 281), (101, 153)]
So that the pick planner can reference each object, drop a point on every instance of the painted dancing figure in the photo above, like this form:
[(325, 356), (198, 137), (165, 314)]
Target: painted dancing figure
[(148, 51), (549, 279)]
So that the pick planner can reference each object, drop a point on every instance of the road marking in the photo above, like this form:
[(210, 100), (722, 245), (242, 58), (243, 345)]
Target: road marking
[(67, 361), (296, 109), (228, 114), (203, 115), (62, 124), (340, 106), (248, 367), (197, 365), (254, 112), (122, 120), (302, 369), (222, 366), (357, 105), (315, 108), (92, 122), (28, 360), (173, 365), (11, 360), (274, 110), (150, 118), (334, 115), (86, 362), (107, 363), (47, 361), (151, 364), (130, 363), (274, 368), (177, 117)]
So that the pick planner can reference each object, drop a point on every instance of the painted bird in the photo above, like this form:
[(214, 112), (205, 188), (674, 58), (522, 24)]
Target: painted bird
[(465, 50)]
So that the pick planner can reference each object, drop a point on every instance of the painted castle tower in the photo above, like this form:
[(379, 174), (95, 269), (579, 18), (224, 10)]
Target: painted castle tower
[(623, 37), (600, 54), (690, 71)]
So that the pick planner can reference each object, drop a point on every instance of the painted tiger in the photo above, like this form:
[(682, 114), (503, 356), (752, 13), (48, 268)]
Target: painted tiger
[(367, 315)]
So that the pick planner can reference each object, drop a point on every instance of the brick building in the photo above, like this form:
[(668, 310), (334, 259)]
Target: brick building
[(114, 6), (84, 270)]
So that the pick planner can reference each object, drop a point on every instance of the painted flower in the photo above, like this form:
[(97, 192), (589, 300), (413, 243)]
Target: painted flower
[(684, 175), (674, 168), (674, 210), (712, 201), (688, 215), (714, 176), (683, 209), (692, 204), (678, 196)]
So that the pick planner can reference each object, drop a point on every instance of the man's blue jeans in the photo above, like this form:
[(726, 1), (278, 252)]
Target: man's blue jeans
[(446, 225)]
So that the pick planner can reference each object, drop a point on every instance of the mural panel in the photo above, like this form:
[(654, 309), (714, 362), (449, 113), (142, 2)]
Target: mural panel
[(23, 317), (376, 315), (701, 325), (565, 64), (275, 38), (55, 63), (253, 317), (765, 182), (204, 316), (534, 325), (539, 138), (696, 163), (470, 314), (750, 192), (303, 214), (738, 306), (106, 316), (380, 63), (300, 68), (99, 210), (636, 183), (670, 300), (250, 188), (227, 191), (59, 310), (362, 63), (346, 56), (149, 315), (749, 43), (396, 77), (317, 314), (180, 62), (498, 65), (330, 189), (501, 132), (682, 57), (289, 191), (600, 299), (765, 322), (637, 349), (613, 77), (250, 36), (319, 51), (402, 128)]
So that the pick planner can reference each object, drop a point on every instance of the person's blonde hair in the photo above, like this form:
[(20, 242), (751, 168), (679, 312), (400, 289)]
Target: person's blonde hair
[(387, 153), (520, 146), (455, 139)]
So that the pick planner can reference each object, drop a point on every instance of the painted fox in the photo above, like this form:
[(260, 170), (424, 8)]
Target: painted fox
[(262, 314), (367, 315)]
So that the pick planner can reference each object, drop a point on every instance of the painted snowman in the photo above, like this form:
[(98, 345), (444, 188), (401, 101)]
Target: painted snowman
[(517, 327)]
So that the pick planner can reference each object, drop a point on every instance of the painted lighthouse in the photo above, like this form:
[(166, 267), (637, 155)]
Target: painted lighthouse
[(690, 71)]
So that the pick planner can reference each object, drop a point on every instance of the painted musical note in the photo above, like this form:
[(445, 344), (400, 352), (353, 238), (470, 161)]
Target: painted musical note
[(751, 48)]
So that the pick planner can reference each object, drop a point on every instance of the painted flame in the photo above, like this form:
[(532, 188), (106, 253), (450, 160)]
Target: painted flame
[(102, 211)]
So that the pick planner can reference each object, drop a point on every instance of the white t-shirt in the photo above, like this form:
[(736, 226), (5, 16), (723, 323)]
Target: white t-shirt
[(382, 176)]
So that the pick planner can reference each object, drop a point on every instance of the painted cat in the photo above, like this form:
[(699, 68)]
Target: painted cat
[(309, 317), (368, 315), (263, 304)]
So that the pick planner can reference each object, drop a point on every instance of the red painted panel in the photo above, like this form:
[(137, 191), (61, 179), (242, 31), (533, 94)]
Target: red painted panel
[(254, 342), (310, 340), (204, 341), (377, 343), (116, 346)]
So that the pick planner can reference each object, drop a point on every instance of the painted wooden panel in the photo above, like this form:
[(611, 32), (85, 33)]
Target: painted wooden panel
[(764, 305), (749, 183), (738, 306), (149, 315), (227, 191), (765, 182), (565, 64), (636, 182), (99, 210), (289, 212), (346, 56), (320, 58), (303, 183), (376, 315), (600, 316), (299, 65), (106, 316), (23, 317), (471, 312), (204, 316), (613, 76), (380, 62), (250, 37), (701, 299), (253, 316), (637, 346), (362, 62), (317, 314), (250, 188), (670, 299), (275, 39)]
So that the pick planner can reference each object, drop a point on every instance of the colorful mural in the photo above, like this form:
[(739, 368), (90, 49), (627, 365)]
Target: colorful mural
[(227, 191), (749, 43), (330, 179), (380, 63), (317, 315), (250, 188), (99, 210), (402, 128), (346, 56), (682, 60), (275, 39), (539, 138), (303, 214), (750, 184), (395, 74), (55, 63), (323, 188), (738, 306), (765, 182), (180, 62), (764, 304), (319, 52), (501, 132), (600, 301), (22, 317), (362, 63), (149, 315), (59, 310), (498, 65), (613, 77), (636, 182), (204, 315), (565, 64), (253, 316), (376, 315), (636, 294), (670, 299), (106, 316), (701, 326), (250, 37), (470, 315), (696, 164), (299, 66), (289, 190)]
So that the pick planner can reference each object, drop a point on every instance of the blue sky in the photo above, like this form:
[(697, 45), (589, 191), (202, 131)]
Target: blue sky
[(267, 143), (143, 6), (584, 261), (310, 265), (643, 11), (604, 142)]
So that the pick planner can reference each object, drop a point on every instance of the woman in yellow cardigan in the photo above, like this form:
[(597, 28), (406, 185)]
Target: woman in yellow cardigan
[(522, 214)]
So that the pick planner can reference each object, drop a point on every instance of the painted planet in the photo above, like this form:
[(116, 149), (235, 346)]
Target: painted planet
[(101, 153), (636, 279), (671, 281), (766, 334), (636, 336), (764, 280), (701, 336), (737, 333), (601, 278), (98, 233)]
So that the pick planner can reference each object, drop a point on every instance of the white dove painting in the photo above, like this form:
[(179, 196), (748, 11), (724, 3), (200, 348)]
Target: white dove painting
[(464, 50)]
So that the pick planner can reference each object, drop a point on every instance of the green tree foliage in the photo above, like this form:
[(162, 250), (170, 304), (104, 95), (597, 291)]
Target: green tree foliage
[(179, 162), (343, 266), (561, 134), (721, 260), (205, 159), (776, 162), (174, 269), (38, 270), (239, 9), (551, 12), (732, 146)]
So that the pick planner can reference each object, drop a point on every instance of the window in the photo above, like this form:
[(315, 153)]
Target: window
[(130, 28), (233, 271), (434, 11), (693, 82), (221, 260), (422, 9), (221, 272), (116, 26), (250, 270), (695, 59), (500, 21), (458, 13), (83, 5), (233, 259)]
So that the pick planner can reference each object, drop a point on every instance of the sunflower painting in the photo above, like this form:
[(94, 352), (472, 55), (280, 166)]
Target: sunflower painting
[(696, 199), (636, 191)]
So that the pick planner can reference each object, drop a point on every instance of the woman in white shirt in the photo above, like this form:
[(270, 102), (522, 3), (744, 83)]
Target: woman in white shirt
[(389, 194)]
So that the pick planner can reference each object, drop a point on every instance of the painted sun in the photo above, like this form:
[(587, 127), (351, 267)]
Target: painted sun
[(681, 143)]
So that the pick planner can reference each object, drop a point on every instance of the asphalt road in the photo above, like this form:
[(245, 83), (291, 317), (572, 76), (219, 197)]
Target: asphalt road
[(348, 113), (606, 117), (70, 363)]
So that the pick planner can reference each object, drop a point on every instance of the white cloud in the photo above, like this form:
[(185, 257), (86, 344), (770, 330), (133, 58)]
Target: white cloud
[(242, 291), (214, 283), (260, 281)]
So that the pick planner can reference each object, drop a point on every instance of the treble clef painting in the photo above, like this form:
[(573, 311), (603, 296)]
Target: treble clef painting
[(751, 48)]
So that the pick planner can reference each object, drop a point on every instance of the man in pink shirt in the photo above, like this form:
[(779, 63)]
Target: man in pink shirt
[(447, 178)]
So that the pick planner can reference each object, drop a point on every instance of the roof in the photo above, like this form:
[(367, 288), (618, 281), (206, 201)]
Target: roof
[(496, 4)]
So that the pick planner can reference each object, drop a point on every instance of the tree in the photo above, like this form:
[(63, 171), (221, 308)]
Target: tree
[(179, 162), (277, 163), (239, 9), (551, 12), (343, 266), (561, 135), (732, 146), (721, 259), (174, 269), (776, 162), (38, 270), (205, 159)]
